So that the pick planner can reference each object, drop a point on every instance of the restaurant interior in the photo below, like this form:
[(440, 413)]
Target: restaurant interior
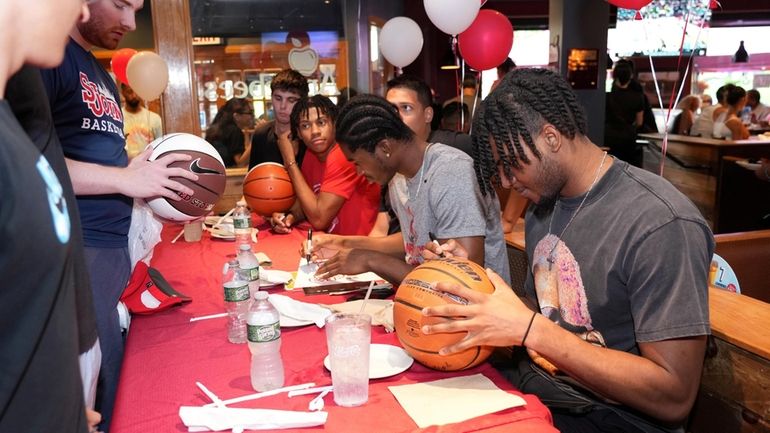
[(216, 50)]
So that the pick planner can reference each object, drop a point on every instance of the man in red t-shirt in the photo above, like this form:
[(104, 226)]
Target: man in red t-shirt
[(331, 195)]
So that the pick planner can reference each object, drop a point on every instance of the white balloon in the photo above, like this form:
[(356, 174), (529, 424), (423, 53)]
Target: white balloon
[(401, 41), (147, 74), (452, 16)]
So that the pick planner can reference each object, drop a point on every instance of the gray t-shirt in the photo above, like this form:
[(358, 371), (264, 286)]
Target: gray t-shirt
[(632, 267), (444, 198)]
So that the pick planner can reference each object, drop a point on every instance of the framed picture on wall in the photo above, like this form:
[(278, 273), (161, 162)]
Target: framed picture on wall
[(583, 68)]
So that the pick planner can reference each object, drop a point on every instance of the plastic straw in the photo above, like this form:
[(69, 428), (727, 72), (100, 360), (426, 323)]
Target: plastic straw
[(366, 297), (210, 316), (264, 394), (217, 401)]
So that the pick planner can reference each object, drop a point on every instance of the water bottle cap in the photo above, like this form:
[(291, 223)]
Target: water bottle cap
[(245, 247), (260, 295)]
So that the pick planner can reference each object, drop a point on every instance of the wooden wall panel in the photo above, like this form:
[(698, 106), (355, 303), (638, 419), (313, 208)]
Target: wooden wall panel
[(173, 42)]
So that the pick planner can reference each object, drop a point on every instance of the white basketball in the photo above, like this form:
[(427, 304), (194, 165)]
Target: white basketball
[(205, 162)]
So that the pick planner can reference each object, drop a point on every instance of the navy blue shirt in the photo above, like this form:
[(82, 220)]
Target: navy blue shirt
[(86, 111)]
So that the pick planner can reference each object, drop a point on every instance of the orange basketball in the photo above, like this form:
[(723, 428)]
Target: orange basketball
[(415, 293), (267, 189)]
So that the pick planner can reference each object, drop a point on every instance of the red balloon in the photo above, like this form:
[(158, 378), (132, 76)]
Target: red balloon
[(630, 4), (119, 63), (488, 41)]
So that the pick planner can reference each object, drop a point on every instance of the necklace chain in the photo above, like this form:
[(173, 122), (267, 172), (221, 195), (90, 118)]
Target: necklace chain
[(572, 218)]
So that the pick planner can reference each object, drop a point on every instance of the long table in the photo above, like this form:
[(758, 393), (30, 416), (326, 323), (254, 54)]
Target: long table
[(166, 354)]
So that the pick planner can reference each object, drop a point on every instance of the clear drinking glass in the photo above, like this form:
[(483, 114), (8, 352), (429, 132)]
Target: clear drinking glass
[(348, 337)]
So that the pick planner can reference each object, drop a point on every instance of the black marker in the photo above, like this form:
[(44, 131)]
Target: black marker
[(309, 253), (435, 242)]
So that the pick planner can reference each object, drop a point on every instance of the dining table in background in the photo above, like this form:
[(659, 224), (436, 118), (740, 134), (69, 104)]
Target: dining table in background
[(166, 354)]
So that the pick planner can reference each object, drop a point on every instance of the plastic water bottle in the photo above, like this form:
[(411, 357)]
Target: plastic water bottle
[(236, 289), (242, 224), (249, 267), (265, 344)]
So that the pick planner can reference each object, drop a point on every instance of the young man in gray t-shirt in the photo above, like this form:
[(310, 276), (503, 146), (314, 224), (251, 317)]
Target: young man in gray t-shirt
[(433, 190)]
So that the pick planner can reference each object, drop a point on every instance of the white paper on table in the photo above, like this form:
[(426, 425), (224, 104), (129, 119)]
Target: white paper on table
[(299, 310), (225, 418), (456, 399), (306, 276)]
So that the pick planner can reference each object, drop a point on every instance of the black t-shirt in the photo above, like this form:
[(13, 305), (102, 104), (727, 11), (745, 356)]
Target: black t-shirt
[(622, 106), (264, 147), (229, 143), (26, 95), (40, 386)]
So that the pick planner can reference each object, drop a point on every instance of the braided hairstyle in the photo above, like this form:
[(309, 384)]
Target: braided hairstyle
[(516, 111), (368, 119), (301, 111)]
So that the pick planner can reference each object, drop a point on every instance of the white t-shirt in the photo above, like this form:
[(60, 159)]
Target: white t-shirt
[(140, 129)]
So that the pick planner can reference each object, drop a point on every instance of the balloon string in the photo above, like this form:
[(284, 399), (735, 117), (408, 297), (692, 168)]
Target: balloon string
[(475, 98), (674, 101)]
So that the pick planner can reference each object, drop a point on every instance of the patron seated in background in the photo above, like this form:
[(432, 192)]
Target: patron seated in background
[(684, 120), (728, 125), (760, 113), (453, 118), (230, 132), (331, 195), (703, 126)]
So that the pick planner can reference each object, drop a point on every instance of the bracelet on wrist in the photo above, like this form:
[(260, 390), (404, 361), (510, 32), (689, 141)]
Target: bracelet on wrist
[(290, 164), (526, 333)]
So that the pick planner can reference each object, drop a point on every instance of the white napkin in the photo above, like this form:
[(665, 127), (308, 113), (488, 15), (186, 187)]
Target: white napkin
[(300, 310), (453, 400), (224, 418)]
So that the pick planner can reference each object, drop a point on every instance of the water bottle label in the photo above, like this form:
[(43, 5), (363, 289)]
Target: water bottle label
[(264, 333), (243, 222), (251, 274), (237, 293)]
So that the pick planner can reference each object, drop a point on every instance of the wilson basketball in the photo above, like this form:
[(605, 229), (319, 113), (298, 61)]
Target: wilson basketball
[(205, 162), (267, 188), (415, 293)]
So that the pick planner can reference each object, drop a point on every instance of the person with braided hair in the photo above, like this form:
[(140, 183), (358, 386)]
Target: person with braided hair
[(331, 196), (432, 190), (611, 333)]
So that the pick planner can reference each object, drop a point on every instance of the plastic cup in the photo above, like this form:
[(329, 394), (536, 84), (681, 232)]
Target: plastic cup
[(348, 337), (193, 231)]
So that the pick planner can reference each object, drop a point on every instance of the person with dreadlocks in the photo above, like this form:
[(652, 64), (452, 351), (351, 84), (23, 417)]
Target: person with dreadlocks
[(618, 276), (432, 190), (330, 194)]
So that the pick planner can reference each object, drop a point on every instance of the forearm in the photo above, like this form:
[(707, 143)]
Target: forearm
[(636, 381), (92, 179), (390, 268), (319, 209), (391, 245)]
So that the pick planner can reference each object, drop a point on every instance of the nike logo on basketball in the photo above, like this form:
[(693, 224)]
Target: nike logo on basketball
[(196, 168)]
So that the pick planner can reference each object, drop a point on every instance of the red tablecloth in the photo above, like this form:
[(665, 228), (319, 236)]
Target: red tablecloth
[(166, 354)]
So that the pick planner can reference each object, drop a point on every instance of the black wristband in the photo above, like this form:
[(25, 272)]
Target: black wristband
[(526, 333)]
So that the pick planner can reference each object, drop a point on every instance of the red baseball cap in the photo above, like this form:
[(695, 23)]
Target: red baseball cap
[(148, 292)]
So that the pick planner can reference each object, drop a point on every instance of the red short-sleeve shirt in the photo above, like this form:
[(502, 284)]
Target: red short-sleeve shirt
[(338, 176)]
